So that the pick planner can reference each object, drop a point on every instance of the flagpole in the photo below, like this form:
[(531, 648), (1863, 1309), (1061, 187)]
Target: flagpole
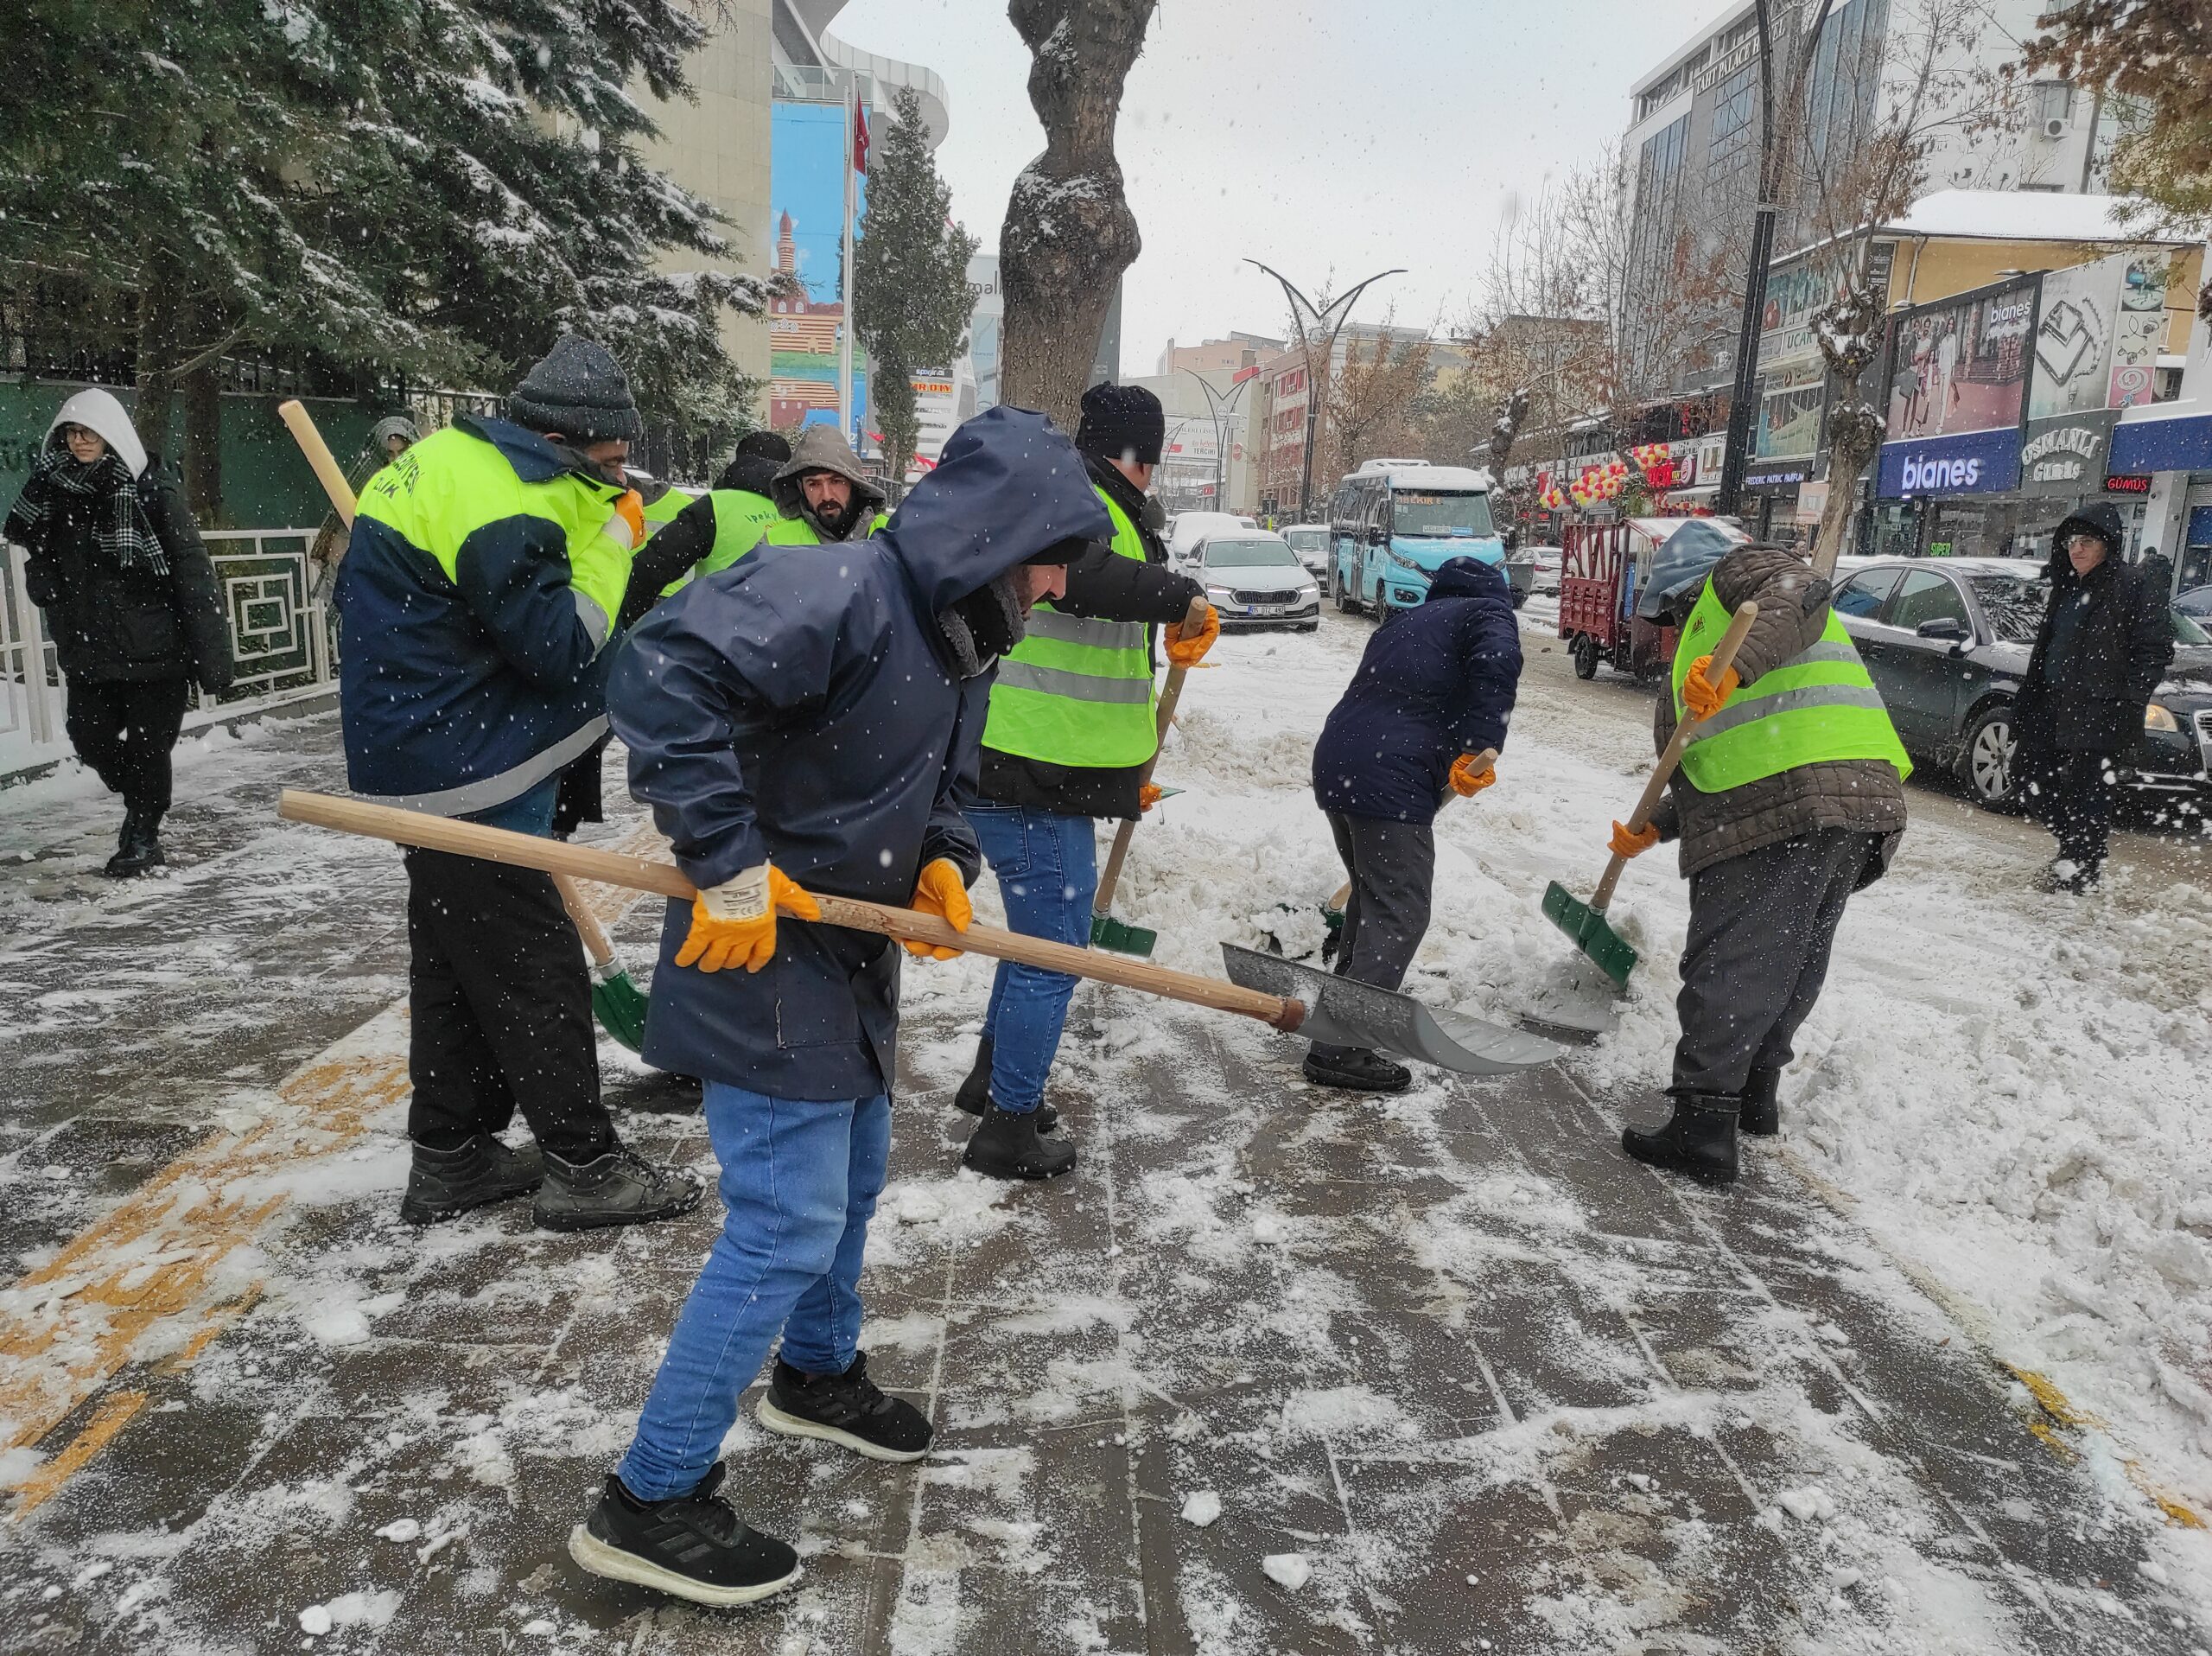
[(845, 326)]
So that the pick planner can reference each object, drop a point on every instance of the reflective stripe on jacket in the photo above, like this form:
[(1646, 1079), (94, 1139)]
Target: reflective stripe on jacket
[(1819, 705), (477, 594), (1078, 690)]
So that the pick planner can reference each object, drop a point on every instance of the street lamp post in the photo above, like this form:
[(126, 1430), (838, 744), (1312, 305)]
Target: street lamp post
[(1220, 407), (1334, 316)]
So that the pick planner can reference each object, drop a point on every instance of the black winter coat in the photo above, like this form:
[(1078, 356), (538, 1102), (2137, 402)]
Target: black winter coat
[(2091, 700), (111, 623), (1102, 585), (810, 710), (1435, 682)]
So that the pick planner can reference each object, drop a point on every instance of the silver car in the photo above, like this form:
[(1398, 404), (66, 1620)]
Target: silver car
[(1252, 578)]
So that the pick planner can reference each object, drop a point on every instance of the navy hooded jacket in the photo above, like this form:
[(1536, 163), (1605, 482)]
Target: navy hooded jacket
[(1437, 681), (804, 707)]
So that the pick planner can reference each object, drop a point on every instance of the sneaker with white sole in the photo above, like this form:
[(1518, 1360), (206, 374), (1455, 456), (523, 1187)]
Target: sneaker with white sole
[(692, 1546), (848, 1408)]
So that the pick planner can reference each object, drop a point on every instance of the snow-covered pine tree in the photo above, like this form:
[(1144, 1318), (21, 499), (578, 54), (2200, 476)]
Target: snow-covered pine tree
[(911, 301)]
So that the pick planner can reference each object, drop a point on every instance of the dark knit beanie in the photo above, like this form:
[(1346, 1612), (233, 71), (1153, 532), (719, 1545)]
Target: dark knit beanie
[(578, 390), (759, 456), (1121, 422)]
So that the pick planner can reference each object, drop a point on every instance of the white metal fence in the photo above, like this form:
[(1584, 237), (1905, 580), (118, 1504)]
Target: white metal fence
[(279, 633)]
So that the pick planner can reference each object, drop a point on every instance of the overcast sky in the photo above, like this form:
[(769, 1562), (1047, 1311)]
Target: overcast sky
[(1321, 135)]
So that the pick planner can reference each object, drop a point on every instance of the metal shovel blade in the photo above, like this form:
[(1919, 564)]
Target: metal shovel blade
[(1341, 1013)]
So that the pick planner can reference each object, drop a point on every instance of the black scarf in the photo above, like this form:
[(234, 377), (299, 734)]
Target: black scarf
[(126, 537)]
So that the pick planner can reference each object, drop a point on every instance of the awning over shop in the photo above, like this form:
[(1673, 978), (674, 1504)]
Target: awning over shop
[(2177, 442)]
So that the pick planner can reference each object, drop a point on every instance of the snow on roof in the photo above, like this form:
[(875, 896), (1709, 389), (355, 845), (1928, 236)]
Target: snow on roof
[(2028, 215), (1419, 473)]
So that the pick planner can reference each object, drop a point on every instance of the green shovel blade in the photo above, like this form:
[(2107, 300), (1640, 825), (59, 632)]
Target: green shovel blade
[(1587, 927), (1121, 938), (620, 1006)]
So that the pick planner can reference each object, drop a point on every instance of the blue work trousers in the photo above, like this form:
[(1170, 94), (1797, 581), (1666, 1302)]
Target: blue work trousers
[(1047, 866), (799, 1182)]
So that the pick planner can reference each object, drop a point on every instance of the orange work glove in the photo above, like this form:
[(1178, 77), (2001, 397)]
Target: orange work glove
[(1148, 795), (1466, 781), (1188, 649), (733, 924), (630, 511), (1626, 842), (1700, 695), (941, 891)]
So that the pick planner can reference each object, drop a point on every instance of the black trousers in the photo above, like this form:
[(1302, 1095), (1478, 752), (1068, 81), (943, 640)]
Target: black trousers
[(2075, 802), (1762, 925), (124, 729), (1392, 869), (500, 1003), (581, 796)]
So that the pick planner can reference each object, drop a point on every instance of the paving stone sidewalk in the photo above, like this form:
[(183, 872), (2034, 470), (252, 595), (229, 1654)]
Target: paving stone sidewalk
[(1459, 1377)]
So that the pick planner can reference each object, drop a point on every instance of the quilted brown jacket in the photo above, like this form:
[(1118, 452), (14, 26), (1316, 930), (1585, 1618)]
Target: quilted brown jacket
[(1864, 794)]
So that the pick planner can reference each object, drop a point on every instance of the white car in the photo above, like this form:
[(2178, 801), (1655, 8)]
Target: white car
[(1252, 578), (1189, 528), (1310, 542)]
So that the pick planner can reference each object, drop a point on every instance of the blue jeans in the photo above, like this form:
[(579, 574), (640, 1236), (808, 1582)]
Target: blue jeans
[(1048, 874), (799, 1181)]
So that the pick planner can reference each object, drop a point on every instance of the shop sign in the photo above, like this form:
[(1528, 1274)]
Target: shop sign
[(1812, 501), (1977, 462), (2065, 455), (2127, 482)]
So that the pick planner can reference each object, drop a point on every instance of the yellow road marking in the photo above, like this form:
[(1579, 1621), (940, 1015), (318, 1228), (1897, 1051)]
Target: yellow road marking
[(68, 1327)]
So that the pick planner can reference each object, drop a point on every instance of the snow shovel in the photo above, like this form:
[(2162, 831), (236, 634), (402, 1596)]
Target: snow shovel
[(1585, 922), (618, 1004), (1106, 931), (1314, 1005)]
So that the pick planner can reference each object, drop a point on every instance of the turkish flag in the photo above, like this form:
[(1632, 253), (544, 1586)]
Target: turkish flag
[(860, 136)]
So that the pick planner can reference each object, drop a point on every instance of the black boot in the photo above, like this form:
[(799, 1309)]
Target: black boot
[(1006, 1145), (443, 1183), (1761, 1115), (620, 1187), (138, 847), (1355, 1069), (694, 1546), (1699, 1138), (848, 1408), (975, 1094)]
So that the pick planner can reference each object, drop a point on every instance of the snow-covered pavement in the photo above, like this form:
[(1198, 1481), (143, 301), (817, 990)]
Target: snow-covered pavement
[(1455, 1375)]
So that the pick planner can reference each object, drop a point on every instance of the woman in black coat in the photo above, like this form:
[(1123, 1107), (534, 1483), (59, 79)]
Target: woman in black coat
[(129, 595), (2105, 643)]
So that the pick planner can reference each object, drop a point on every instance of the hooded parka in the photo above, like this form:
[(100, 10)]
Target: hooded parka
[(2105, 642), (112, 620), (824, 714)]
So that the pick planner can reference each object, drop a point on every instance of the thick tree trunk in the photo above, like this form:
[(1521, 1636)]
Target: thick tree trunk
[(157, 355), (203, 442), (1512, 414), (1069, 234)]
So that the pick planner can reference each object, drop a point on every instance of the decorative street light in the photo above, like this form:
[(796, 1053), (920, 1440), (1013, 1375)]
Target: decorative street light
[(1333, 316), (1220, 407)]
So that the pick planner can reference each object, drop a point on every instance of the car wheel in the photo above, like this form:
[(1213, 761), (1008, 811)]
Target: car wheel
[(1985, 763), (1586, 656)]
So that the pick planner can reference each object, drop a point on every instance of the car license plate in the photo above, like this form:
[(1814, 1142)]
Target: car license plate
[(1252, 609)]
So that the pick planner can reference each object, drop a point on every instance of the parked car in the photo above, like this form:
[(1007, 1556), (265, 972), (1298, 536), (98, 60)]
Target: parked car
[(1310, 542), (2195, 603), (1946, 642), (1547, 562), (1252, 579), (1186, 529)]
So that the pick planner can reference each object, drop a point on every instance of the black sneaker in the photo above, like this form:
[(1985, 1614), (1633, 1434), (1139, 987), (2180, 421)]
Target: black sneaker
[(1010, 1144), (848, 1408), (1760, 1113), (443, 1183), (620, 1187), (975, 1094), (1355, 1069), (694, 1546)]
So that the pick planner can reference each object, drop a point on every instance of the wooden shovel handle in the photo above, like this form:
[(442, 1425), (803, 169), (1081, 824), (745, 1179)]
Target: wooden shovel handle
[(1488, 755), (644, 874), (1724, 657), (302, 427), (596, 942), (1170, 694)]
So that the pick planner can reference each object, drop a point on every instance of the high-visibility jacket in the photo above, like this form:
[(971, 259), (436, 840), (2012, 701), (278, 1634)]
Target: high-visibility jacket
[(741, 519), (1819, 705), (800, 532), (477, 595), (1078, 690), (661, 511)]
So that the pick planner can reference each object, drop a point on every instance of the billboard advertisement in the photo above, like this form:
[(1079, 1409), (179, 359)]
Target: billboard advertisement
[(1791, 393), (2098, 335), (1958, 393), (806, 200)]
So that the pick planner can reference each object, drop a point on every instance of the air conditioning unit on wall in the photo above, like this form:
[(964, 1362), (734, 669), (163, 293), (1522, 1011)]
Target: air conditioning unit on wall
[(2054, 128)]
